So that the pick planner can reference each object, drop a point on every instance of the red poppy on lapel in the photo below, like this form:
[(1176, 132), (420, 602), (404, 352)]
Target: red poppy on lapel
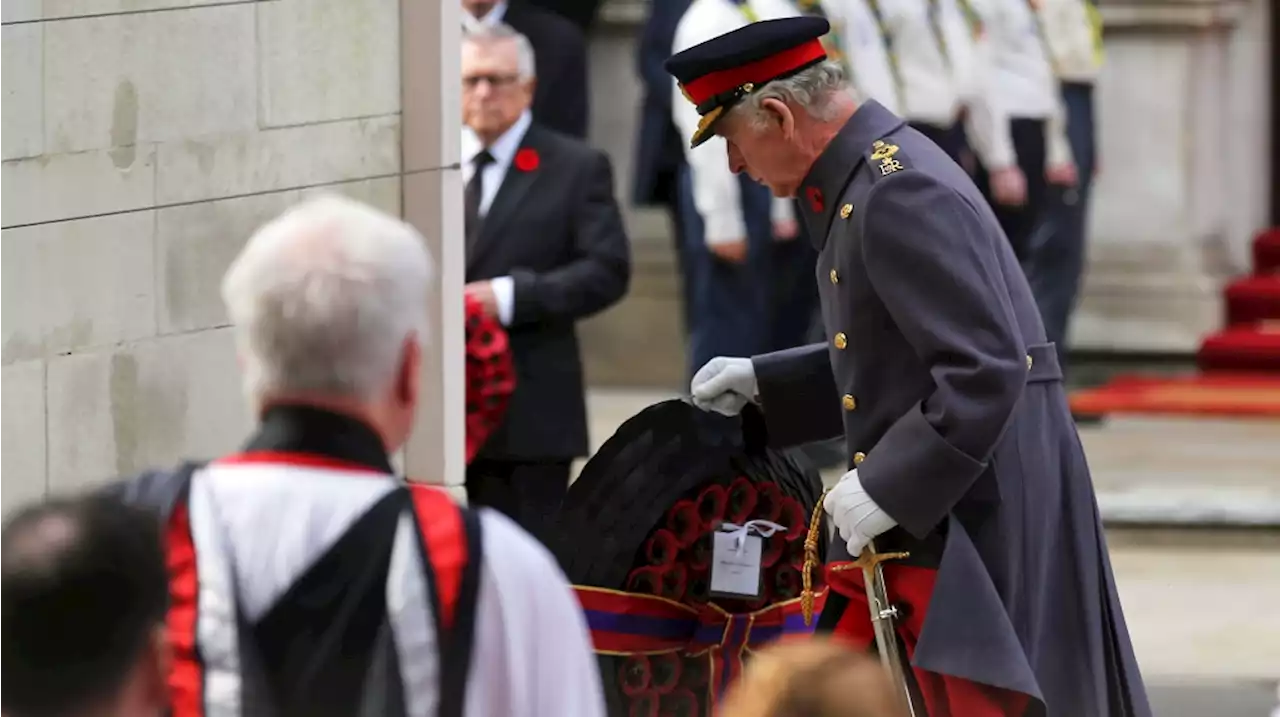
[(527, 159), (814, 195)]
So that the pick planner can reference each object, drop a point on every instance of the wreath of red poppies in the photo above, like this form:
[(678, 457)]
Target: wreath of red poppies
[(675, 563), (491, 376)]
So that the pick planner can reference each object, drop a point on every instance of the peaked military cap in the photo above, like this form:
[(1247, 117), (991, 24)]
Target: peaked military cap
[(719, 73)]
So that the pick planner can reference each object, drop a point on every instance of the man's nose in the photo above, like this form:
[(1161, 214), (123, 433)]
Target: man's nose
[(736, 165)]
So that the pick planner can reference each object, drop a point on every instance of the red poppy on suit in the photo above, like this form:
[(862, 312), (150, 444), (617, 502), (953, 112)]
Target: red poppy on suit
[(527, 160), (814, 195)]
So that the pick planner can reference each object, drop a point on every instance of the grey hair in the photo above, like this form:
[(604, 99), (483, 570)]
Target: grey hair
[(486, 35), (813, 89), (323, 299)]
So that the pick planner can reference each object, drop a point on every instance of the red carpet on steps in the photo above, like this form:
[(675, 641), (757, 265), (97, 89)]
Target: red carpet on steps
[(1240, 365), (1243, 395)]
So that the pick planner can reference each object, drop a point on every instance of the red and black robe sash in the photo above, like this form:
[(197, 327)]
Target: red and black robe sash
[(337, 669)]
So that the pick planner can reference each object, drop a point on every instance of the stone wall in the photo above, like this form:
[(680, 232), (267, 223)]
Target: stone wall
[(1184, 113), (143, 141)]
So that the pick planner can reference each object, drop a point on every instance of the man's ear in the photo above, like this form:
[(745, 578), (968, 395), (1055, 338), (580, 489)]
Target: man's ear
[(157, 663), (781, 114), (409, 380)]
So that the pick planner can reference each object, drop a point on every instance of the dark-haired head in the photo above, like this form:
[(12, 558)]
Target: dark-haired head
[(84, 597)]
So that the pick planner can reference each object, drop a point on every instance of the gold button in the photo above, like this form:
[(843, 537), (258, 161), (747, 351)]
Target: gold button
[(849, 402), (835, 278), (841, 341), (845, 211), (859, 457), (1029, 362)]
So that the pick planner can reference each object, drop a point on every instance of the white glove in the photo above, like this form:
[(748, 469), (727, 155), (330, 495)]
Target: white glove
[(855, 514), (724, 385)]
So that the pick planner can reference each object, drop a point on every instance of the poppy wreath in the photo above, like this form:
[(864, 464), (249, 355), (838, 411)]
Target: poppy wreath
[(491, 376), (635, 537)]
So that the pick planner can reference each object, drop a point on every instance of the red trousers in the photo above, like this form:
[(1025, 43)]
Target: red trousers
[(943, 695)]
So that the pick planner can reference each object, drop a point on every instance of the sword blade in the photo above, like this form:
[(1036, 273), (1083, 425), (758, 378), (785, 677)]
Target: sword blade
[(884, 622)]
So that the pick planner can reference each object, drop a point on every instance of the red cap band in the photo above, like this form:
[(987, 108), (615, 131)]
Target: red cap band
[(758, 72)]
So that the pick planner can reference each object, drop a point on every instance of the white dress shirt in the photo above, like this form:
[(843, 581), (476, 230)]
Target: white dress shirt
[(716, 194), (969, 50), (1023, 76), (1073, 32), (864, 44), (471, 23), (503, 151), (928, 90)]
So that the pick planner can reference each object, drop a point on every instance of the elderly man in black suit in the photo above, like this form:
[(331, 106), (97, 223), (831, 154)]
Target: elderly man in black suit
[(545, 248), (560, 98)]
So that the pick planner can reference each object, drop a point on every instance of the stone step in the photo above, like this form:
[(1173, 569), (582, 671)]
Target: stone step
[(640, 342)]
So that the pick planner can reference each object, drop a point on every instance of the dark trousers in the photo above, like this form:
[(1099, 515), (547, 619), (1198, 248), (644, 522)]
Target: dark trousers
[(528, 492), (795, 293), (1058, 244), (950, 138), (1021, 222), (749, 308), (677, 201)]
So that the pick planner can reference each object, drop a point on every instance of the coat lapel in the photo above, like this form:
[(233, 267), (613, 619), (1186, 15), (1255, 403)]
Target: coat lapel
[(515, 188)]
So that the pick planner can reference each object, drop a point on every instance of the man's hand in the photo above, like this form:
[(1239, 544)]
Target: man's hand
[(785, 229), (730, 251), (724, 385), (1062, 175), (482, 292), (1009, 187), (855, 514)]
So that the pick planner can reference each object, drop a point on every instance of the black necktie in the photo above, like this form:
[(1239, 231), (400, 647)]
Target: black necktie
[(473, 193)]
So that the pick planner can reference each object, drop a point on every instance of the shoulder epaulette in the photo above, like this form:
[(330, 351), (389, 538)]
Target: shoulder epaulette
[(883, 158)]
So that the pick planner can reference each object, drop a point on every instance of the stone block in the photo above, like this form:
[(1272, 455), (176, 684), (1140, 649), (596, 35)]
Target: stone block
[(640, 342), (115, 412), (326, 60), (23, 106), (195, 245), (54, 9), (68, 186), (383, 194), (23, 435), (245, 163), (74, 285), (19, 11), (82, 417), (118, 80)]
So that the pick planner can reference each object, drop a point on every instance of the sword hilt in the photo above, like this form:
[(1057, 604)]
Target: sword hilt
[(869, 560)]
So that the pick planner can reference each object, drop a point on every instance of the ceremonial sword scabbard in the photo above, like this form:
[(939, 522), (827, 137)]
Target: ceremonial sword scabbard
[(884, 615)]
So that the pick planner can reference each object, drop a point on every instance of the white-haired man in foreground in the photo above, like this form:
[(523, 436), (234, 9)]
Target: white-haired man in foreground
[(307, 578)]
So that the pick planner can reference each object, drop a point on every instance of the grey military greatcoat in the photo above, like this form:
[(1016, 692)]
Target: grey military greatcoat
[(937, 373)]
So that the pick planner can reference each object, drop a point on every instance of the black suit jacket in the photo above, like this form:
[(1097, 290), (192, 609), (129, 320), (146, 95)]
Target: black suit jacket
[(560, 52), (557, 231), (580, 12)]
